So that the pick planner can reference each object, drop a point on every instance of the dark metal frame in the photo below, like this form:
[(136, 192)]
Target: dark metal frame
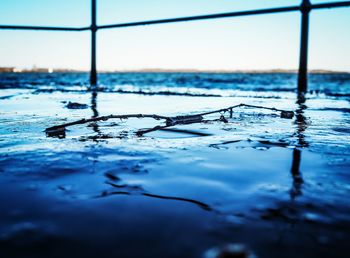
[(304, 8)]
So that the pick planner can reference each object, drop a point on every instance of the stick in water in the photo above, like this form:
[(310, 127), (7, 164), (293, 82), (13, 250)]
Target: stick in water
[(59, 130)]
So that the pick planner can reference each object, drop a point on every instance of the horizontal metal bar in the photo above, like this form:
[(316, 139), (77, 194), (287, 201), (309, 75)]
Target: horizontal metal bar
[(226, 15), (20, 27), (203, 17), (331, 5), (182, 19)]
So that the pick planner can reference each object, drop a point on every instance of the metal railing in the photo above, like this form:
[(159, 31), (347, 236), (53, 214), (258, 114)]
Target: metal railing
[(305, 7)]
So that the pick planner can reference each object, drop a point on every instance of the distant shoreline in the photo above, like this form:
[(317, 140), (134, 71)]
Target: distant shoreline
[(158, 70)]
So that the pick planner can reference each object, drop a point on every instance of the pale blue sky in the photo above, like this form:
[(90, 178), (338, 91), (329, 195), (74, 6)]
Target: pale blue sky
[(255, 42)]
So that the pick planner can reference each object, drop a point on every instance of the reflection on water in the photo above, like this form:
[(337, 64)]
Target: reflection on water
[(301, 123), (94, 109), (296, 174)]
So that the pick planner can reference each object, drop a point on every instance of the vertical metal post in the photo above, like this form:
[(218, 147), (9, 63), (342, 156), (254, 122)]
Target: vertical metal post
[(305, 8), (93, 28)]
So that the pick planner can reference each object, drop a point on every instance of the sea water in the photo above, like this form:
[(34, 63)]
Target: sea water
[(279, 187)]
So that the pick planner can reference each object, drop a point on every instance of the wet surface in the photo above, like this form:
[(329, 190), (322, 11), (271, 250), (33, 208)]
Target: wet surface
[(278, 186)]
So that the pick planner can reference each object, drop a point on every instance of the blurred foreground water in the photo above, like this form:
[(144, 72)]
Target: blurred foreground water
[(278, 186)]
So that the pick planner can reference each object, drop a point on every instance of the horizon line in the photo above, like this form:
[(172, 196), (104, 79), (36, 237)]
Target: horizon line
[(161, 70)]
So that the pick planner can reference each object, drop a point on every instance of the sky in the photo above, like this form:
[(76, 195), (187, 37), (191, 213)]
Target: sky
[(253, 43)]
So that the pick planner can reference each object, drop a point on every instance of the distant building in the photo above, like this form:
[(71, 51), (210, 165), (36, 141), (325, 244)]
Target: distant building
[(7, 69)]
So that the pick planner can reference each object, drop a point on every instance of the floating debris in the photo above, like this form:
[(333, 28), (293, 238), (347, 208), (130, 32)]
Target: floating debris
[(183, 120), (287, 114), (76, 105), (59, 130)]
